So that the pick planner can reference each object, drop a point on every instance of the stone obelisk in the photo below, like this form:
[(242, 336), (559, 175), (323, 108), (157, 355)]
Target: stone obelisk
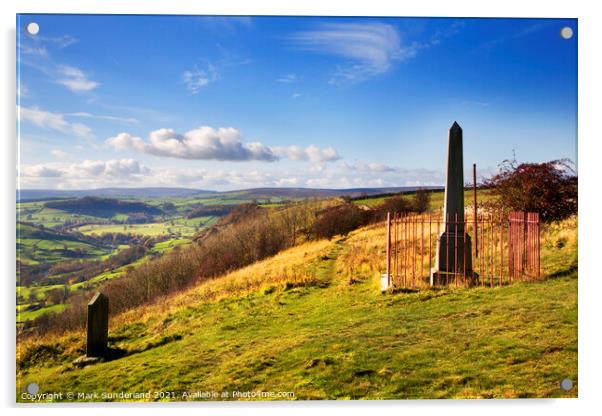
[(454, 255)]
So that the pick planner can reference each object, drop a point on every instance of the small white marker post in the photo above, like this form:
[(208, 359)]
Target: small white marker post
[(385, 279)]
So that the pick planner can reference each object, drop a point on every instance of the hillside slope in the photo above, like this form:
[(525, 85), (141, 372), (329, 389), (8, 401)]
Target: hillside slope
[(296, 323), (35, 244)]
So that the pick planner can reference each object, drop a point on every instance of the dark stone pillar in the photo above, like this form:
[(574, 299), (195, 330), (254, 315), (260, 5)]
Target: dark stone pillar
[(98, 326), (454, 254)]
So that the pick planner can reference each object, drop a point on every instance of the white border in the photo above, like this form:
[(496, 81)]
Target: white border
[(590, 117)]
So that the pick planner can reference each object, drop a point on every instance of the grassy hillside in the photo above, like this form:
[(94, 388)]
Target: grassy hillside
[(312, 321)]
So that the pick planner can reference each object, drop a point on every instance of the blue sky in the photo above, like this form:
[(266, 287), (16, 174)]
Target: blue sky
[(238, 102)]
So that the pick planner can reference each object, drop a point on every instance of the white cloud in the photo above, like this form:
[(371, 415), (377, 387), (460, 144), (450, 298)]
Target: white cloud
[(327, 181), (103, 117), (129, 172), (203, 143), (39, 171), (196, 79), (474, 103), (85, 174), (379, 174), (296, 95), (316, 154), (38, 45), (212, 179), (54, 121), (367, 167), (207, 143), (113, 168), (35, 53), (60, 41), (125, 140), (81, 130), (288, 182), (42, 118), (74, 79), (58, 153), (288, 78), (34, 50), (311, 153), (368, 48)]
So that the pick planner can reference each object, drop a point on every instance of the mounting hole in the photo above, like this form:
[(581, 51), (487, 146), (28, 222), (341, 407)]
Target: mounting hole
[(33, 28), (32, 388), (566, 384), (566, 32)]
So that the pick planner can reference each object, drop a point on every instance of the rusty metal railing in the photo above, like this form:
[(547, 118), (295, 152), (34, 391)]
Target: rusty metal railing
[(507, 249)]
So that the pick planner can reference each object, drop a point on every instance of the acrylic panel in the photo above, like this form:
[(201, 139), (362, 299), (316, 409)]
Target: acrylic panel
[(218, 208)]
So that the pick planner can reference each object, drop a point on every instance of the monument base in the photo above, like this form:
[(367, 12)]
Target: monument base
[(442, 278), (454, 260), (84, 360)]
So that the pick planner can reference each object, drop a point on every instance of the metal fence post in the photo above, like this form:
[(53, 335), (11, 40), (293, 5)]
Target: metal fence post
[(389, 248)]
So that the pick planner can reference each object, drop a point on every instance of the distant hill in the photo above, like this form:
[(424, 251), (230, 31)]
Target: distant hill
[(255, 193), (102, 207), (45, 194), (262, 193)]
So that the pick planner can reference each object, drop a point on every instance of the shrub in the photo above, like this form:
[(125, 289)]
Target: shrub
[(398, 204), (339, 220), (422, 200), (549, 188), (57, 296)]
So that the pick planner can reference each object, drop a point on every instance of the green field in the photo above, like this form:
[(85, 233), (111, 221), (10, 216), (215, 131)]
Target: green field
[(35, 245), (165, 246), (23, 315), (38, 293), (39, 243), (151, 230), (297, 323), (36, 213), (181, 226)]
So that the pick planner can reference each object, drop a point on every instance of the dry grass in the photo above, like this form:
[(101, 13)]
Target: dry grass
[(365, 253), (362, 258), (559, 247), (254, 329), (291, 268)]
